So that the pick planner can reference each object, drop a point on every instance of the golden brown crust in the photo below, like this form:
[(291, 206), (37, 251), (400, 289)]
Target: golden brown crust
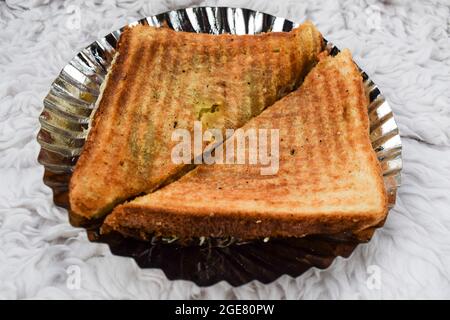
[(160, 80), (329, 179), (143, 223)]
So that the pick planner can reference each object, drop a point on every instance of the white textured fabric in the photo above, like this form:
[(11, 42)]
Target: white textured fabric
[(403, 45)]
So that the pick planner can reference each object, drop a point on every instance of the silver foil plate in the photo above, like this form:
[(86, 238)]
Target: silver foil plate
[(69, 106)]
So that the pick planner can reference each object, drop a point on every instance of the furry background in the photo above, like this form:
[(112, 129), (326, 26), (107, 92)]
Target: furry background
[(403, 45)]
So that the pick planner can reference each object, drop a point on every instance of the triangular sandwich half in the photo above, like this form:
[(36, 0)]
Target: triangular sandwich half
[(328, 181), (162, 80)]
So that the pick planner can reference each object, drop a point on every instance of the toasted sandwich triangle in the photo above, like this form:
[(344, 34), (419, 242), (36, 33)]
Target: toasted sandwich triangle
[(329, 179), (162, 80)]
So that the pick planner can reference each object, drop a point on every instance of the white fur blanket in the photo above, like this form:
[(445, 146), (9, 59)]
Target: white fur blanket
[(403, 45)]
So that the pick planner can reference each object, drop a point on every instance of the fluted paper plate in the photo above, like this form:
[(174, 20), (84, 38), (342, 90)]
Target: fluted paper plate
[(65, 122)]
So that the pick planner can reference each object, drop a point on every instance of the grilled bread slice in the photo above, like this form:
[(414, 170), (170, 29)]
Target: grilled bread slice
[(329, 179), (162, 80)]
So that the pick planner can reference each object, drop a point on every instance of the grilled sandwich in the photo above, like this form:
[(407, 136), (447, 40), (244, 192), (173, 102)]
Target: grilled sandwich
[(329, 179), (162, 80)]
